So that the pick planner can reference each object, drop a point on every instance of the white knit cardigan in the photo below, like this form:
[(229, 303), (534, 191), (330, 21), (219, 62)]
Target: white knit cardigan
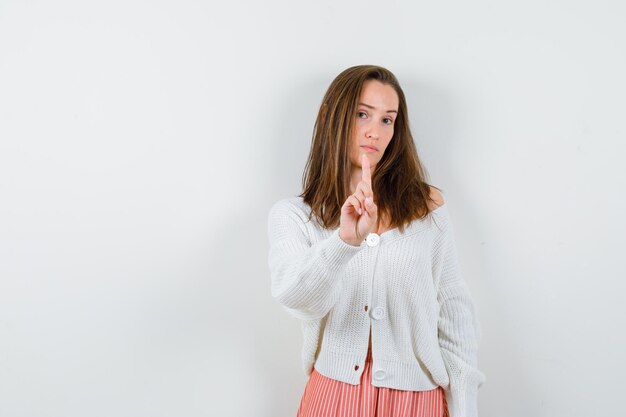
[(407, 286)]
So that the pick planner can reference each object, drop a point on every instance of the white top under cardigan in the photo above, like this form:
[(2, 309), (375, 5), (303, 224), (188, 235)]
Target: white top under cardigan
[(424, 329)]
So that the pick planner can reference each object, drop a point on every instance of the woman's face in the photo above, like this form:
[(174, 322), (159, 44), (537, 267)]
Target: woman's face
[(374, 122)]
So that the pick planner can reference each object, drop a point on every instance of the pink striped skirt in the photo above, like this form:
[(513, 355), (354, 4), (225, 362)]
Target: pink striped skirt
[(326, 397)]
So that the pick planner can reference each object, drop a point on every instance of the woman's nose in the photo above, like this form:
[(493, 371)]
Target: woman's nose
[(372, 131)]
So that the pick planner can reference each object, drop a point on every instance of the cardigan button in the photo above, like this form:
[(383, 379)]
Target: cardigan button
[(379, 374), (372, 240), (378, 313)]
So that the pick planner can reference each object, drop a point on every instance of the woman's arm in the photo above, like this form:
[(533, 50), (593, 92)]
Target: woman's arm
[(305, 277), (459, 330)]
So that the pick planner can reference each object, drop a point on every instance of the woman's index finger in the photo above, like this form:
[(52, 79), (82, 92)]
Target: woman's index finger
[(366, 173)]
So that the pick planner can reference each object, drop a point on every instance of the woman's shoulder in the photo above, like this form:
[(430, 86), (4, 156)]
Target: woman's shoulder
[(293, 201), (290, 206), (437, 196)]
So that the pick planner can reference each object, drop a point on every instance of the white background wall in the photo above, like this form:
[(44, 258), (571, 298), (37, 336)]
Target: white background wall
[(142, 143)]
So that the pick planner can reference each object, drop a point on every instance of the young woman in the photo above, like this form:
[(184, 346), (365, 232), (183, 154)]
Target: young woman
[(366, 258)]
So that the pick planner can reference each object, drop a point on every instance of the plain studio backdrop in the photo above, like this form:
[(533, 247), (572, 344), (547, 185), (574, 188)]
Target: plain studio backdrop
[(142, 144)]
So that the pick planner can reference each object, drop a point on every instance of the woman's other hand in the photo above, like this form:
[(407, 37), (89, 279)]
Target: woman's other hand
[(359, 213)]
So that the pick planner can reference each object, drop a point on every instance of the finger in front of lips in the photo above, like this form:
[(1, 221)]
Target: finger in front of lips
[(366, 171), (365, 188), (366, 196)]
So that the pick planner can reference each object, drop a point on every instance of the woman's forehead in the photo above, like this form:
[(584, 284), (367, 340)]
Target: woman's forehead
[(379, 96)]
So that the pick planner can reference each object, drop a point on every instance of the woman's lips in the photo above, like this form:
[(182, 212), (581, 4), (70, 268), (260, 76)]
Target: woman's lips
[(369, 148)]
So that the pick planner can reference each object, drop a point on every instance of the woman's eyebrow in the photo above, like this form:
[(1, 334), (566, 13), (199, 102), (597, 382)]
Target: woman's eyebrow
[(374, 108)]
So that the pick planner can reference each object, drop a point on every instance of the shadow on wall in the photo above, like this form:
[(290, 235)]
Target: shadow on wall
[(279, 335), (255, 347)]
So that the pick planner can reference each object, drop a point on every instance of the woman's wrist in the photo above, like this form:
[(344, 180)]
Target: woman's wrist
[(352, 242)]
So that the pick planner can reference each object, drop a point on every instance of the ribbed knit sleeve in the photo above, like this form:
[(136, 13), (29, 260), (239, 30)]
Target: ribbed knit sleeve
[(305, 276), (459, 329)]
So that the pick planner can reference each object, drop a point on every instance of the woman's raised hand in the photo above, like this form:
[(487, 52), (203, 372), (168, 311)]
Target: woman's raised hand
[(359, 213)]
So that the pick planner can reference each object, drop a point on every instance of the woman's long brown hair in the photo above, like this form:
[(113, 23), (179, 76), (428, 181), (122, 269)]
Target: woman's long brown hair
[(398, 180)]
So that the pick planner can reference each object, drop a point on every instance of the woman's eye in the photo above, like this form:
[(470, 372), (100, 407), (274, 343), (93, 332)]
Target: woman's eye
[(388, 120), (362, 114)]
